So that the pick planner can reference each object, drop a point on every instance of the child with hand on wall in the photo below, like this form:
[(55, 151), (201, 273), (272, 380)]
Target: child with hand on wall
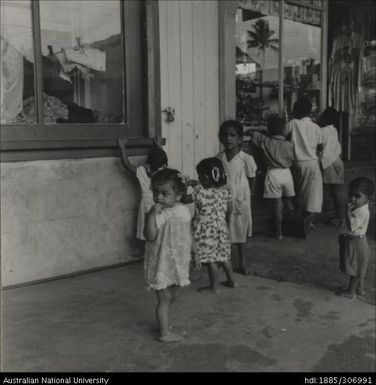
[(240, 169), (156, 160), (354, 251), (169, 246), (213, 205)]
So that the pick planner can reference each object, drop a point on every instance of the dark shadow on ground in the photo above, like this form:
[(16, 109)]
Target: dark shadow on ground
[(313, 261)]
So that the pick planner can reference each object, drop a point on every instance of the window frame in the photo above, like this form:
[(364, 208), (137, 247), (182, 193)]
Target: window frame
[(77, 140)]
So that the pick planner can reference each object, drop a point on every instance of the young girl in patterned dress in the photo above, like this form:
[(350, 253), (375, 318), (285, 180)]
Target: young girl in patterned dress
[(169, 246), (213, 205), (156, 160), (240, 169)]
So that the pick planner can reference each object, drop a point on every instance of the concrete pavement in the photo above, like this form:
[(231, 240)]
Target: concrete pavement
[(104, 321)]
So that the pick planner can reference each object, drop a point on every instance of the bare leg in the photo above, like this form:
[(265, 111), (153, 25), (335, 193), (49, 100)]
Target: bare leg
[(242, 260), (227, 267), (351, 291), (353, 285), (360, 290), (338, 201), (288, 204), (277, 211), (213, 272), (162, 314)]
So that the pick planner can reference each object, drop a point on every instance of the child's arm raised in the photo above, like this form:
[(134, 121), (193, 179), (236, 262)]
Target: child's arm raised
[(150, 229), (188, 198), (124, 157)]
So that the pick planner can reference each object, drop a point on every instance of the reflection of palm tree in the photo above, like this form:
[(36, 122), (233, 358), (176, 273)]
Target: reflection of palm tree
[(261, 39)]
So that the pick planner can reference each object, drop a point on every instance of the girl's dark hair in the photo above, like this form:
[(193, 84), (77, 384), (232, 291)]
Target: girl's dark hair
[(276, 125), (238, 127), (328, 117), (169, 175), (156, 159), (302, 107), (212, 168), (362, 184)]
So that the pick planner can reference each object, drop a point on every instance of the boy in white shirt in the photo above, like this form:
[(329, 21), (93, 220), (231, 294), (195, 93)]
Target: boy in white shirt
[(353, 246)]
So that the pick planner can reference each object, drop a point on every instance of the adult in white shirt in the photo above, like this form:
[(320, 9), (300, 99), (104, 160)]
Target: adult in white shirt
[(306, 137)]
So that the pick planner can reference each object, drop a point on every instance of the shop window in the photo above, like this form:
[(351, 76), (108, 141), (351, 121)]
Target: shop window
[(257, 52), (75, 73), (83, 62), (17, 58), (278, 49), (301, 56)]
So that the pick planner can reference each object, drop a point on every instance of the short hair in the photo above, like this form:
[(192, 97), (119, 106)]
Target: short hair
[(328, 117), (213, 169), (237, 126), (362, 184), (302, 107), (275, 125), (169, 175), (156, 159)]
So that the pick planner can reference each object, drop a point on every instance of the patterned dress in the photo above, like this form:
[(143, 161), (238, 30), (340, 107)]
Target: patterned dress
[(241, 167), (210, 230), (146, 200), (167, 258)]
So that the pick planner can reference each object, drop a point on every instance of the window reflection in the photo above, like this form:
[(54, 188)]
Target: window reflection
[(82, 61), (17, 63), (257, 46), (301, 59)]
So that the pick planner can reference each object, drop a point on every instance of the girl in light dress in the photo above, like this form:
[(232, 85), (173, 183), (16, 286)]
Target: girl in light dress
[(156, 160), (240, 169), (169, 246)]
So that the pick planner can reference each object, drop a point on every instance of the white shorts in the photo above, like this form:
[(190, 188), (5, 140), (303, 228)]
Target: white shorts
[(278, 183)]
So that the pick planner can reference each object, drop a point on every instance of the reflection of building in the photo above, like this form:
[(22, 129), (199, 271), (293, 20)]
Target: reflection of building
[(67, 206)]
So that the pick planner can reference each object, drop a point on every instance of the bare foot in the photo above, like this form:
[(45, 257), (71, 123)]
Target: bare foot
[(346, 294), (171, 337), (244, 271), (278, 236), (229, 284), (208, 289), (361, 292)]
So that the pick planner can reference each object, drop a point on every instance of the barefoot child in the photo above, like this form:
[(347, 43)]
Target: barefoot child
[(279, 186), (333, 171), (240, 169), (169, 246), (156, 160), (213, 204), (353, 246)]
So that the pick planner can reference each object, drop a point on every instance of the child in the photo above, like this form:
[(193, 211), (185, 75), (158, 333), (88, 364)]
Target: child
[(279, 157), (240, 169), (331, 163), (213, 204), (156, 160), (353, 246), (169, 246), (306, 138)]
